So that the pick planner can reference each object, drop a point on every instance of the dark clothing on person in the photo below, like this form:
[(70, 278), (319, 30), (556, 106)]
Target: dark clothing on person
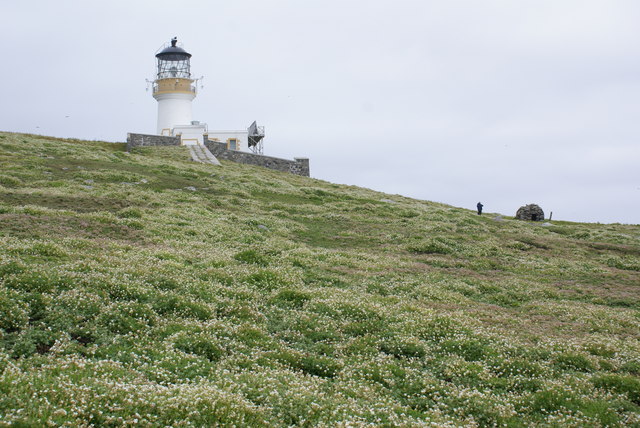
[(479, 208)]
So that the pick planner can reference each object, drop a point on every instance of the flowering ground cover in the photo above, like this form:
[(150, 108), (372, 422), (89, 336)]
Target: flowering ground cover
[(146, 289)]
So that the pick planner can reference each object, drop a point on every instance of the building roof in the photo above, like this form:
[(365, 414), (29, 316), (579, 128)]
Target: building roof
[(173, 52)]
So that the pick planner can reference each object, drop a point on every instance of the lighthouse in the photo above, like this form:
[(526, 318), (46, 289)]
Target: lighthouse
[(174, 89)]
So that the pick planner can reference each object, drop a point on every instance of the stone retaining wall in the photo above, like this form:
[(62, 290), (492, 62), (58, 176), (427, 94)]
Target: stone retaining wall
[(298, 166), (141, 140)]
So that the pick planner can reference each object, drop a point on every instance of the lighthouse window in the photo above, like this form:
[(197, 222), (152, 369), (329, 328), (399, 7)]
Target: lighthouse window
[(232, 144), (168, 68)]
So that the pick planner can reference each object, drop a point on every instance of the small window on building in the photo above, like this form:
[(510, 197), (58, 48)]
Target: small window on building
[(232, 144)]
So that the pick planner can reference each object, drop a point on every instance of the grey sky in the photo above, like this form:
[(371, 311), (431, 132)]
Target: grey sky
[(507, 102)]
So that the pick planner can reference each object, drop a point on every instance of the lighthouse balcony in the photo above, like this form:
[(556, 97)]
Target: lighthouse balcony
[(174, 85)]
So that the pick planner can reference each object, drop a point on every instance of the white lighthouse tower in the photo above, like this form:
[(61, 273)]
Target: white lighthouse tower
[(174, 89)]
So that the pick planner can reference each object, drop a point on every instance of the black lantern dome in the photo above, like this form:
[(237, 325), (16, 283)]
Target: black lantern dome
[(173, 62)]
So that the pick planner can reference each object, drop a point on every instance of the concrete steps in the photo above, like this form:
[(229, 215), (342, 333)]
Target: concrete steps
[(202, 154)]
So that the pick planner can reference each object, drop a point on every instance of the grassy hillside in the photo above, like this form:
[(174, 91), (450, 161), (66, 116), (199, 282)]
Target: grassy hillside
[(146, 289)]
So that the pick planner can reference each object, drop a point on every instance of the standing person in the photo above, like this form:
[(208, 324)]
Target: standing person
[(479, 208)]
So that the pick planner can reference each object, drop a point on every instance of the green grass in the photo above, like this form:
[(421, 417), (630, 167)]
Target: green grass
[(266, 299)]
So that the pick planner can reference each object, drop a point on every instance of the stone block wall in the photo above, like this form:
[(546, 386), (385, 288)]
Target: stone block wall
[(143, 140), (298, 166), (301, 167)]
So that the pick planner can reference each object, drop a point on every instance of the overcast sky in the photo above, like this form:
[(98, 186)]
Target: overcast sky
[(507, 102)]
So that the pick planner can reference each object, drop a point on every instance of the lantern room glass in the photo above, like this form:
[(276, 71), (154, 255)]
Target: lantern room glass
[(176, 66)]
